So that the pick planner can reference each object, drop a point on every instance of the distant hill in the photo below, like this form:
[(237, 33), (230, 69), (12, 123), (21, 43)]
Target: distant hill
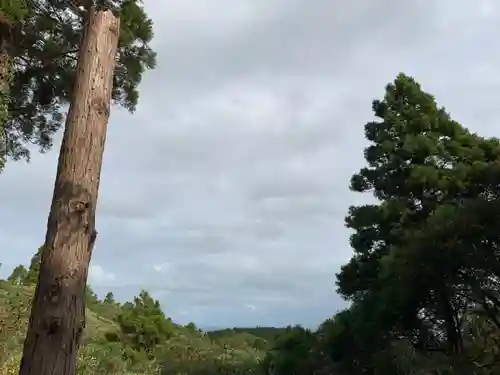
[(266, 333)]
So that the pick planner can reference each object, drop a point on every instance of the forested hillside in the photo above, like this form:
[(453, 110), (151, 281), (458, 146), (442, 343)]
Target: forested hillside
[(422, 282)]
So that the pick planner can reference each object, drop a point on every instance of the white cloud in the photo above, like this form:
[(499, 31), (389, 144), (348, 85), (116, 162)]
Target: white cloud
[(160, 267), (98, 275), (251, 307)]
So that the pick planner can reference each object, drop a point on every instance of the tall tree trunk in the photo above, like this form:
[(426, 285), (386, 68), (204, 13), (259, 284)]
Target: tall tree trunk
[(58, 311)]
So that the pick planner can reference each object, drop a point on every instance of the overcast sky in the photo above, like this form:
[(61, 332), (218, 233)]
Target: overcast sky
[(225, 193)]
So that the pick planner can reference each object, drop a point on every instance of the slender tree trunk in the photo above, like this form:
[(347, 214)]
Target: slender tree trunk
[(58, 311)]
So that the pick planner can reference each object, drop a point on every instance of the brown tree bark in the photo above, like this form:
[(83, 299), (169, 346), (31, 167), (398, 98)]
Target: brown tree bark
[(58, 310)]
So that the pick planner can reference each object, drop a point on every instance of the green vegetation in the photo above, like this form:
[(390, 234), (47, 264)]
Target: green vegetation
[(135, 337), (422, 282), (39, 43)]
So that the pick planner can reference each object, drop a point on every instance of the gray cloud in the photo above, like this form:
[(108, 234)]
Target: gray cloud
[(225, 193)]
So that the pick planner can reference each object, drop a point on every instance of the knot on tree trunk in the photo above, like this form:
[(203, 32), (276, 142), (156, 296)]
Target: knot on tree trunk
[(92, 239), (79, 206), (100, 106), (52, 324), (80, 330), (54, 292)]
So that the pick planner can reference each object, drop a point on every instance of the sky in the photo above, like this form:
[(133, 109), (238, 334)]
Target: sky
[(225, 193)]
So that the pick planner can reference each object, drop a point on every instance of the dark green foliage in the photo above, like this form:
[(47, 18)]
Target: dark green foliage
[(91, 297), (143, 324), (14, 10), (21, 275), (430, 245), (291, 353), (423, 278), (18, 275), (109, 298), (34, 269), (260, 344), (45, 57), (210, 365)]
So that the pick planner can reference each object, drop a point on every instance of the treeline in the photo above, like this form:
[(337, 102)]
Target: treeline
[(423, 281)]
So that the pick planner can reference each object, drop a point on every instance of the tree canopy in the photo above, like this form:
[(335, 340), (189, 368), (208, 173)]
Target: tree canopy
[(44, 51), (144, 324), (424, 275)]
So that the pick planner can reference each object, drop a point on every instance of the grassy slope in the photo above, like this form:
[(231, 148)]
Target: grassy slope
[(266, 333), (99, 319), (15, 302)]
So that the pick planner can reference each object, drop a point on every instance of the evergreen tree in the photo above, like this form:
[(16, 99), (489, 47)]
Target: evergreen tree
[(427, 251), (109, 298), (291, 353), (43, 63), (144, 324), (34, 268), (18, 275), (91, 297)]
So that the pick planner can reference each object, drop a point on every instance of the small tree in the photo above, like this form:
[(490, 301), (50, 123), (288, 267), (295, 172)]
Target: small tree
[(291, 353), (143, 324), (18, 275), (34, 268), (109, 298), (91, 297)]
